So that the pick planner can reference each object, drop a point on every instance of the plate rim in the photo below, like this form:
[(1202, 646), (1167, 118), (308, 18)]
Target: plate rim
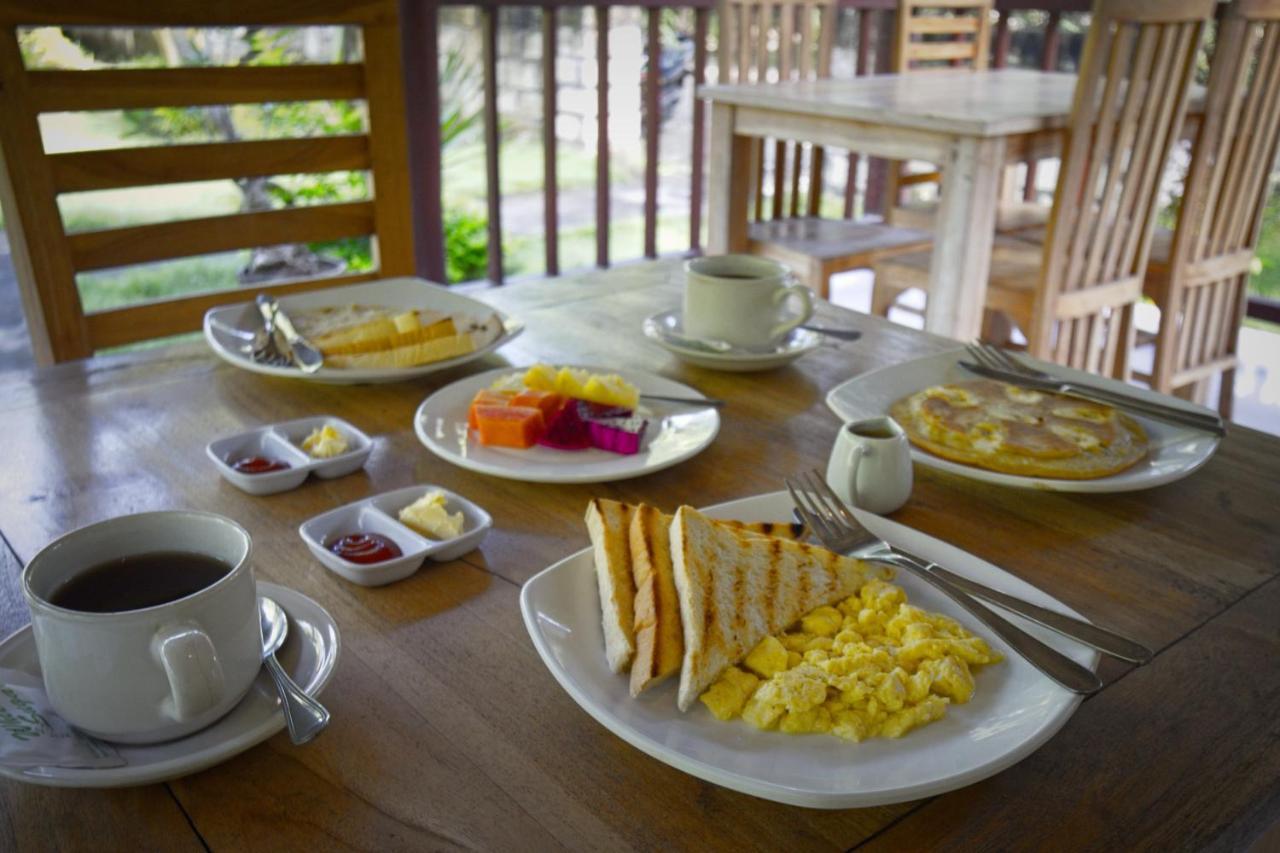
[(778, 792), (741, 357), (175, 768), (512, 328), (1099, 485), (470, 464)]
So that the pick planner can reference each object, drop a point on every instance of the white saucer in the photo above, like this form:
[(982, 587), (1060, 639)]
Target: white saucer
[(665, 329), (309, 655)]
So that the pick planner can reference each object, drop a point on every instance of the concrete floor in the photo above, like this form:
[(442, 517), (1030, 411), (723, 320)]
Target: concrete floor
[(1257, 388)]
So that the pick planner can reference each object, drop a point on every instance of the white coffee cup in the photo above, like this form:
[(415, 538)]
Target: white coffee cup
[(870, 465), (157, 673), (741, 299)]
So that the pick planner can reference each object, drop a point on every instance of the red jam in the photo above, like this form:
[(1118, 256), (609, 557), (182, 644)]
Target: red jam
[(258, 465), (365, 548)]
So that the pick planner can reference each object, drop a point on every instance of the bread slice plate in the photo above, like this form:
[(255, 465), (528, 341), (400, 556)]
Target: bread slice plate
[(225, 327), (1173, 451), (1015, 710)]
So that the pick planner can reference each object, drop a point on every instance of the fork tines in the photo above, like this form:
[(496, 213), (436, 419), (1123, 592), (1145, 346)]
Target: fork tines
[(825, 513), (994, 358)]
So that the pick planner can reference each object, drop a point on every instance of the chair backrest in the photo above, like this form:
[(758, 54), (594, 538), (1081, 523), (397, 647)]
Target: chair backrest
[(803, 32), (1129, 104), (942, 34), (47, 258), (1204, 295)]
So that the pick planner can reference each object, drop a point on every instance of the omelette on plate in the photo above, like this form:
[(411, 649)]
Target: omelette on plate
[(1015, 430)]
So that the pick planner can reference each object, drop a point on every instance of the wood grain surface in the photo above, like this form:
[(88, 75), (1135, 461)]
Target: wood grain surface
[(449, 732)]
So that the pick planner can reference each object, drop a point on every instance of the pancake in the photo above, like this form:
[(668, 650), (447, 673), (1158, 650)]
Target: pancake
[(1014, 430)]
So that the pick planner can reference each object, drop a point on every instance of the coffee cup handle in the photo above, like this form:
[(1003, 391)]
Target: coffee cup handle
[(784, 293), (191, 664)]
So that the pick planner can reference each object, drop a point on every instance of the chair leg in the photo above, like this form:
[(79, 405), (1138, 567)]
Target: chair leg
[(882, 295), (818, 277), (1227, 393), (997, 327)]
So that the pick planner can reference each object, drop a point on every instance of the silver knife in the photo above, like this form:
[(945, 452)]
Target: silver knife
[(1094, 394), (305, 354)]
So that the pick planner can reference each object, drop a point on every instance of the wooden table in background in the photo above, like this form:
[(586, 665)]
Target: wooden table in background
[(969, 123), (449, 732)]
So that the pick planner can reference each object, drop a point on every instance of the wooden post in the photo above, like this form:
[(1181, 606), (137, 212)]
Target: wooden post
[(602, 136), (700, 35), (653, 124), (877, 172), (550, 186), (420, 41), (489, 26), (1048, 62)]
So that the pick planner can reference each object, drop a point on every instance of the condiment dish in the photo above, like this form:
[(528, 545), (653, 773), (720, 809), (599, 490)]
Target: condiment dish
[(282, 442), (377, 515)]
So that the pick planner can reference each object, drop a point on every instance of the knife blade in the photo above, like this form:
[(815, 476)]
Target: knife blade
[(1168, 414)]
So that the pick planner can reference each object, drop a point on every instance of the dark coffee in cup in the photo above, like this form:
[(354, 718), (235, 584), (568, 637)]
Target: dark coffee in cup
[(138, 580)]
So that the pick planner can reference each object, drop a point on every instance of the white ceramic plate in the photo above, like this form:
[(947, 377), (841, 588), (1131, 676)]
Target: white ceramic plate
[(309, 655), (1015, 709), (665, 329), (221, 325), (675, 433), (1174, 451)]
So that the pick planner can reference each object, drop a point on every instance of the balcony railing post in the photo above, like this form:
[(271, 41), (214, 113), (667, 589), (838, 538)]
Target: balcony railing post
[(1048, 62), (653, 124), (419, 23), (602, 136), (700, 17), (489, 22), (550, 186), (877, 171)]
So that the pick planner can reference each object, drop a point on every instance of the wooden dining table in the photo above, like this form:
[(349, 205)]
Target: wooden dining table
[(971, 124), (449, 732)]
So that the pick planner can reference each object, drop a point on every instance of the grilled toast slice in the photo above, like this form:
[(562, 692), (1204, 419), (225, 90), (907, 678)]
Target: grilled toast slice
[(736, 589), (659, 638), (608, 523)]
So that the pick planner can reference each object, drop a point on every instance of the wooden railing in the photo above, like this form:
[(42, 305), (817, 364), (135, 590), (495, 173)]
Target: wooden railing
[(421, 49)]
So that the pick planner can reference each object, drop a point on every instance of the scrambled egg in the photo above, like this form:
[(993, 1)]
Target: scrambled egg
[(873, 665), (325, 442), (428, 516)]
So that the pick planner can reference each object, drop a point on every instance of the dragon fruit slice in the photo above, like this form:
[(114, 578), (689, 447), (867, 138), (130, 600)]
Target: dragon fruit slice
[(618, 435), (566, 430)]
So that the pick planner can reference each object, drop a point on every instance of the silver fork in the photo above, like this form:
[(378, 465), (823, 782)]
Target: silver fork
[(266, 349), (994, 359), (838, 529)]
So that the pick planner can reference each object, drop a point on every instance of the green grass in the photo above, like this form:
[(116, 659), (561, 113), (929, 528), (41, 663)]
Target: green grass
[(525, 256), (102, 290), (1267, 282)]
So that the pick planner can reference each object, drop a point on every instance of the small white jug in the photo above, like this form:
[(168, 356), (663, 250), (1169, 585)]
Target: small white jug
[(870, 465)]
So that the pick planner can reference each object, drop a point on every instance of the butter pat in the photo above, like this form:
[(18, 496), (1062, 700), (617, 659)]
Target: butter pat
[(325, 442), (428, 516)]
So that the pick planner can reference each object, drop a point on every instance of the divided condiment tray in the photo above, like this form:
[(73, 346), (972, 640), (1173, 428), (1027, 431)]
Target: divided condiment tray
[(283, 442), (377, 514)]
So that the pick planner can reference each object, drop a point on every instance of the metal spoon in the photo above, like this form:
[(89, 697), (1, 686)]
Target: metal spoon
[(831, 332), (304, 716)]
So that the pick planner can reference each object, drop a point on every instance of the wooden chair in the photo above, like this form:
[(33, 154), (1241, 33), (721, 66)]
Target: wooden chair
[(47, 258), (1200, 281), (942, 35), (786, 225), (1074, 296)]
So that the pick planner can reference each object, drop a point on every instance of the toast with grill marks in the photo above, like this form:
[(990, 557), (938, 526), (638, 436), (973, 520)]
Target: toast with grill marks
[(736, 589), (659, 638), (608, 523)]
